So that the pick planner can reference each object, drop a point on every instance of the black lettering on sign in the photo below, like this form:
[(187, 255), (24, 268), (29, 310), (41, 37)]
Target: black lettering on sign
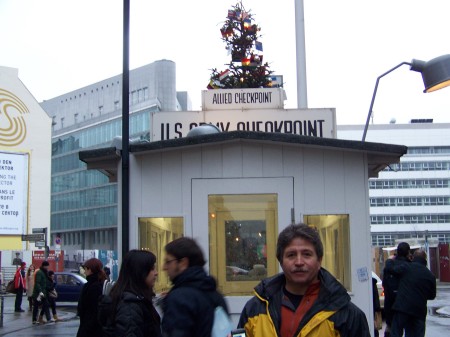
[(178, 127), (222, 98)]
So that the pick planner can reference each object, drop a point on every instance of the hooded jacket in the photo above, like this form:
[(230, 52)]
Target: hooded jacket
[(332, 314), (40, 283), (189, 306), (417, 285), (19, 279), (135, 316)]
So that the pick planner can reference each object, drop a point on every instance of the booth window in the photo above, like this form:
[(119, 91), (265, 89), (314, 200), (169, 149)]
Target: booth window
[(242, 229), (334, 232), (154, 234)]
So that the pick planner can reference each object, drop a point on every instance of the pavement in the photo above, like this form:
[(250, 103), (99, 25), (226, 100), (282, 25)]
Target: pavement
[(14, 322)]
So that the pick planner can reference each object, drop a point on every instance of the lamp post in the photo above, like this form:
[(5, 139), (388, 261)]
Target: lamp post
[(435, 75), (125, 131)]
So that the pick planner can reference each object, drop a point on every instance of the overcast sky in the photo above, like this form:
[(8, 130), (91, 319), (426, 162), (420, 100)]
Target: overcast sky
[(62, 45)]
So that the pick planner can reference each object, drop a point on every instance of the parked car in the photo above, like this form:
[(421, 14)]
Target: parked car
[(380, 289), (68, 286)]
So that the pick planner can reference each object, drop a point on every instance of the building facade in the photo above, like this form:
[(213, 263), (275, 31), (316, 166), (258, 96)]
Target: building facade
[(410, 199), (84, 203), (25, 152)]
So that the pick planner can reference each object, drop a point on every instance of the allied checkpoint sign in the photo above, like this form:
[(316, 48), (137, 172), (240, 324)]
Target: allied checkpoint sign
[(13, 193), (245, 110)]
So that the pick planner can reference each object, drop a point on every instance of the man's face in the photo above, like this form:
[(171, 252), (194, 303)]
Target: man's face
[(300, 265), (172, 266)]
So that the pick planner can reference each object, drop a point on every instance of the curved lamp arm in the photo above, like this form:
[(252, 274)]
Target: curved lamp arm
[(375, 93)]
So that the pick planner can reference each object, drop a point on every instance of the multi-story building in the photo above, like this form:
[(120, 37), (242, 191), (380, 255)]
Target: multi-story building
[(410, 199), (84, 203)]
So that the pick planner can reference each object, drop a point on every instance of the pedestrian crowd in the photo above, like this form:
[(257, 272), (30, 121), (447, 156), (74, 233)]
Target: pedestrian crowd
[(303, 300), (408, 285), (39, 287)]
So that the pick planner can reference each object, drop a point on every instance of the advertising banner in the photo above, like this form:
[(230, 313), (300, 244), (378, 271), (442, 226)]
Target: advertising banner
[(55, 260), (13, 193)]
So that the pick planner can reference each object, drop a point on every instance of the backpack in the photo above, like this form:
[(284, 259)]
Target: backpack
[(107, 286), (222, 324)]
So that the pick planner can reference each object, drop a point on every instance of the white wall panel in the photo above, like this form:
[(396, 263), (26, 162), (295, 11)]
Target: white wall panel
[(252, 160)]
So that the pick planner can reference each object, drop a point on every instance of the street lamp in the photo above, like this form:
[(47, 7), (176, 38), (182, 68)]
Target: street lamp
[(435, 75)]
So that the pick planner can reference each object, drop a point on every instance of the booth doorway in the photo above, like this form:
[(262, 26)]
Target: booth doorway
[(237, 222)]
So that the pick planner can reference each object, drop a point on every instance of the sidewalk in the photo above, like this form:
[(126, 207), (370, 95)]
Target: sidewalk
[(16, 321)]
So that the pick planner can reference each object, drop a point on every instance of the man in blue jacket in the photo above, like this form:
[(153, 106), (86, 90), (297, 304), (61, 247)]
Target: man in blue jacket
[(189, 306)]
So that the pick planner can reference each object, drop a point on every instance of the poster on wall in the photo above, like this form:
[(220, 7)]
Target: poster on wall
[(55, 259), (13, 193)]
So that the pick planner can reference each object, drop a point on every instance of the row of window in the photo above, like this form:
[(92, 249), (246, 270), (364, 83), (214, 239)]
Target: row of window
[(93, 237), (92, 218), (92, 91), (78, 180), (380, 184), (429, 150), (92, 197), (388, 240), (419, 166), (409, 201), (67, 163), (409, 219), (100, 134)]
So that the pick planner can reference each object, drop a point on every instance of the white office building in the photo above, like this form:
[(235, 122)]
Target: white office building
[(410, 199), (84, 203)]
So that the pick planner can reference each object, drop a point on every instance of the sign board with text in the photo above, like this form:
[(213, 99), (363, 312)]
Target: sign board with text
[(243, 99), (307, 122), (33, 237), (13, 193)]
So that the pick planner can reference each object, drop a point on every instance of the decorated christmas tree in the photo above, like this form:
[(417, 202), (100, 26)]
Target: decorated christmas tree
[(246, 69)]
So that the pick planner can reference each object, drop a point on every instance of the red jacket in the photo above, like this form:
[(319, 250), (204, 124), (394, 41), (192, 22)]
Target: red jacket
[(19, 280)]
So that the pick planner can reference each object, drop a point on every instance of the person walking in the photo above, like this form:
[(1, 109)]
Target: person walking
[(88, 302), (51, 299), (391, 282), (30, 286), (305, 299), (417, 285), (40, 295), (128, 310), (20, 284), (190, 304), (377, 318)]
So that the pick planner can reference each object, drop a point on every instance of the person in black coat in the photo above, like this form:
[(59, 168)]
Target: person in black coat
[(417, 286), (88, 302), (190, 304), (391, 282), (128, 311)]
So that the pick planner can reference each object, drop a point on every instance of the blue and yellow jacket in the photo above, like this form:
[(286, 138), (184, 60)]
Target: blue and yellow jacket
[(332, 314)]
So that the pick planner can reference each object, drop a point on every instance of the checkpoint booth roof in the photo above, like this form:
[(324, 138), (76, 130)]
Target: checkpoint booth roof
[(379, 155), (233, 192)]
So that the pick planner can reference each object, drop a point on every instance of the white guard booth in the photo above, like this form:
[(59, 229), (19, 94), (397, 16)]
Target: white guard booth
[(234, 191)]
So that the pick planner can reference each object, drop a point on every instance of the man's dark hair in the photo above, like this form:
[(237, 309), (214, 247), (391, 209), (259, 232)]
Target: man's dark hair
[(403, 249), (300, 230), (188, 248)]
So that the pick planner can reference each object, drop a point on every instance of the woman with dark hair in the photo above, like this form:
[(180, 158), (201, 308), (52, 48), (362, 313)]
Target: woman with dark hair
[(89, 297), (130, 311)]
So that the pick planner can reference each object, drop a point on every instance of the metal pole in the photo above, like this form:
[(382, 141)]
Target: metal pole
[(373, 97), (125, 129), (302, 92)]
